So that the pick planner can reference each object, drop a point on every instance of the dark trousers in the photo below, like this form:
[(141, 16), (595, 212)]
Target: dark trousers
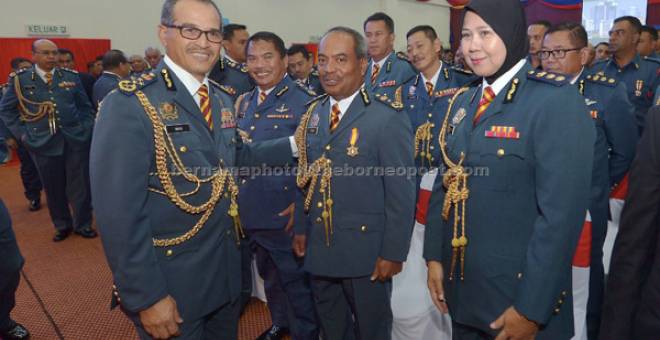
[(66, 181), (353, 308), (221, 324), (246, 275), (8, 285), (288, 291), (596, 281), (464, 332), (29, 174)]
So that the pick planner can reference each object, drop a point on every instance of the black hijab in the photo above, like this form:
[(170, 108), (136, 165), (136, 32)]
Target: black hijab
[(507, 18)]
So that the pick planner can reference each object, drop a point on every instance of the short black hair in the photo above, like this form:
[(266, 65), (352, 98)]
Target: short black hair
[(66, 51), (577, 33), (17, 61), (228, 31), (603, 43), (99, 58), (113, 58), (298, 48), (633, 21), (650, 30), (380, 16), (90, 64), (544, 23), (269, 37), (428, 31)]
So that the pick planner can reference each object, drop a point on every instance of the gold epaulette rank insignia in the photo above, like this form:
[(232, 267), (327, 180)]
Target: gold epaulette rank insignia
[(228, 90), (69, 70), (306, 89), (127, 87), (316, 99), (365, 96), (548, 77), (511, 92), (602, 80), (168, 81)]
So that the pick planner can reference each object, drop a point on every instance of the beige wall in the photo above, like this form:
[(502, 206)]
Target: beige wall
[(131, 24)]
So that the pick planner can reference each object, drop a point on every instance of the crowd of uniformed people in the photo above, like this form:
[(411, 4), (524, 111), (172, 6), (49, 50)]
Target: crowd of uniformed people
[(197, 162)]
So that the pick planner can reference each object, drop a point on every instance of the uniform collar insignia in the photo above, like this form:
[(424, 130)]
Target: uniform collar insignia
[(365, 96), (168, 80), (282, 91)]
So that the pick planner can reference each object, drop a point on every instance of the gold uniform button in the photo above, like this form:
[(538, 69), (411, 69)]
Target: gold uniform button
[(430, 115), (252, 127), (500, 152), (275, 126), (328, 147), (319, 205), (256, 115), (319, 220), (520, 276), (286, 188), (563, 293), (560, 302), (169, 252), (114, 286), (556, 311), (116, 293), (118, 299), (183, 149), (363, 228)]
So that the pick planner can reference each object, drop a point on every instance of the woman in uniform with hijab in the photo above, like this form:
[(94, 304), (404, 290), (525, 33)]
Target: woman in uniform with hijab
[(506, 215)]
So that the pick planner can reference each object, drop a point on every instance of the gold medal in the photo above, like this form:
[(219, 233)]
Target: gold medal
[(168, 111), (353, 150)]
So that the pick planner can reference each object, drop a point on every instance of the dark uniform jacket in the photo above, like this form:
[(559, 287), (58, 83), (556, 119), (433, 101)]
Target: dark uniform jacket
[(233, 76)]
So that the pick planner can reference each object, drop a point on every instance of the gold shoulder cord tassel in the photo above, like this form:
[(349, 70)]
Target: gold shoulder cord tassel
[(46, 108), (423, 138), (308, 175), (220, 181), (455, 180)]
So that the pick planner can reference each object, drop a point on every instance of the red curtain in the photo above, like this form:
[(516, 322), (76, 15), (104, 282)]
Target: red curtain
[(653, 13), (84, 50)]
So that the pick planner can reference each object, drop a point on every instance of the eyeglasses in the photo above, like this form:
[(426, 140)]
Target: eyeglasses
[(53, 53), (557, 54), (192, 33)]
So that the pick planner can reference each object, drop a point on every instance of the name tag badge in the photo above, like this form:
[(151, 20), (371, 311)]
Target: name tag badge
[(178, 128)]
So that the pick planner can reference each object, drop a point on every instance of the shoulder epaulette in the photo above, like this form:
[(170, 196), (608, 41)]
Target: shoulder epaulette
[(147, 76), (69, 70), (127, 87), (602, 80), (317, 98), (315, 72), (224, 88), (15, 73), (548, 77), (402, 56), (306, 89), (655, 60), (462, 70)]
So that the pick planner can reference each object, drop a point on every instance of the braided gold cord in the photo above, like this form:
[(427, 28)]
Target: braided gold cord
[(308, 174), (455, 180), (46, 108), (164, 149)]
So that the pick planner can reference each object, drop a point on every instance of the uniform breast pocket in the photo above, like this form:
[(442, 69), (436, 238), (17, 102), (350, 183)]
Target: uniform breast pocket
[(501, 163), (187, 144)]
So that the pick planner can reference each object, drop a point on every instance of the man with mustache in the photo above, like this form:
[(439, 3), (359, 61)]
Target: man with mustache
[(273, 110), (47, 109), (387, 70), (640, 74), (162, 173), (354, 213)]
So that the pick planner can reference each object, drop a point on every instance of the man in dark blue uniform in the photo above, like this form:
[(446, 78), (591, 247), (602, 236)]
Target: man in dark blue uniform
[(565, 52), (273, 110), (10, 274), (387, 70), (162, 170), (301, 68), (115, 68), (46, 108), (231, 71), (355, 211), (67, 60), (648, 38), (639, 74), (506, 215), (28, 171), (426, 96)]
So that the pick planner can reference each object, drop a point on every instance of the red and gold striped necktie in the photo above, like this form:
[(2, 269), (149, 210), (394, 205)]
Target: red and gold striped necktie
[(334, 117), (262, 97), (429, 88), (486, 99), (205, 105), (49, 78), (374, 73)]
